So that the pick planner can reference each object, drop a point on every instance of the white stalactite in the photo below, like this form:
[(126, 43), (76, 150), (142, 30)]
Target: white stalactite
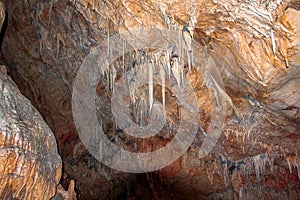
[(293, 161), (168, 64), (113, 77), (107, 77), (131, 77), (163, 81), (123, 58), (108, 43), (150, 84), (273, 41)]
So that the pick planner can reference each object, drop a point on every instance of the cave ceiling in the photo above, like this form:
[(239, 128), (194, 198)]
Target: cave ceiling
[(251, 48)]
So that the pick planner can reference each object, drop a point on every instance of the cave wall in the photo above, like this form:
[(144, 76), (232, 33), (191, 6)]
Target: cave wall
[(30, 165), (254, 44)]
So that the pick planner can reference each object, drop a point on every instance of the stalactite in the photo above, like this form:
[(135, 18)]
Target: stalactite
[(144, 109), (273, 41), (108, 42), (175, 69), (271, 159), (225, 95), (37, 14), (168, 64), (138, 111), (112, 76), (50, 11), (107, 75), (150, 84), (166, 16), (93, 4), (110, 80), (259, 162), (286, 59), (224, 163), (188, 37), (180, 56), (163, 92), (123, 58), (131, 78), (293, 161), (237, 183)]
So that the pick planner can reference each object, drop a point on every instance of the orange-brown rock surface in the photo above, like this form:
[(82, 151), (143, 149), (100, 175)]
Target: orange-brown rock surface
[(255, 46), (30, 167), (30, 164)]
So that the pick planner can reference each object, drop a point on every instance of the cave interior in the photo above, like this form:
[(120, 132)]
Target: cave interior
[(109, 82)]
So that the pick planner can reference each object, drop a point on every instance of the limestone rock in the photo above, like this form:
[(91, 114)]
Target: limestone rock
[(62, 194), (30, 165), (254, 44)]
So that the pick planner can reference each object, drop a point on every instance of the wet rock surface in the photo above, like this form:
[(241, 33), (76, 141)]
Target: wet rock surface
[(254, 45), (30, 164)]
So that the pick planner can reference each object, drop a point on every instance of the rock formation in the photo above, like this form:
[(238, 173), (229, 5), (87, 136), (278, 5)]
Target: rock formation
[(254, 44), (30, 164)]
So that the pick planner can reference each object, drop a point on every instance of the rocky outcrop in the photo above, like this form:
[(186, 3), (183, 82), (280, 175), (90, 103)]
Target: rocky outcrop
[(30, 164)]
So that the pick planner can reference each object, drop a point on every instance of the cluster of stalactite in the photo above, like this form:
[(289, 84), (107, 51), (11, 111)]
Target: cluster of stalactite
[(147, 65)]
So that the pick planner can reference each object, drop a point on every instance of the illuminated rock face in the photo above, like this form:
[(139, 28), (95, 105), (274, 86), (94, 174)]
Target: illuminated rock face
[(29, 160), (253, 44), (30, 164)]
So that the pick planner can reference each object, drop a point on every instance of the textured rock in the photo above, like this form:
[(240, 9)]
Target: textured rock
[(30, 164), (61, 194), (255, 45)]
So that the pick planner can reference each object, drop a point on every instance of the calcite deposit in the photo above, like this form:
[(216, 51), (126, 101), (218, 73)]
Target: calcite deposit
[(251, 50)]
